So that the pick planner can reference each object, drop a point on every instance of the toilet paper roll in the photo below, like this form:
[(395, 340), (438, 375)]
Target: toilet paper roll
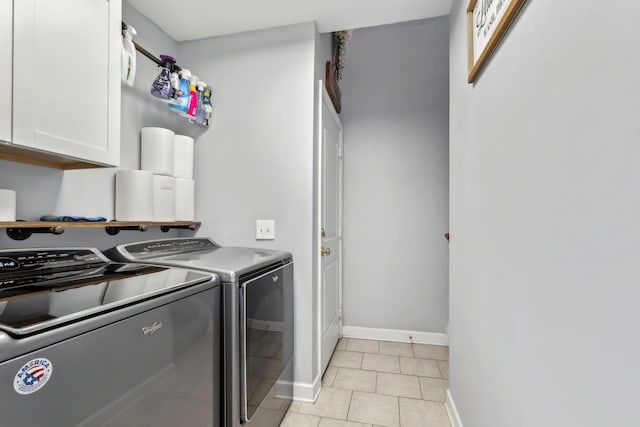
[(7, 205), (185, 199), (164, 198), (157, 151), (183, 157), (134, 195)]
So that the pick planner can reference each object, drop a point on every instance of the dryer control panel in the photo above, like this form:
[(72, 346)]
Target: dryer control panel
[(157, 247)]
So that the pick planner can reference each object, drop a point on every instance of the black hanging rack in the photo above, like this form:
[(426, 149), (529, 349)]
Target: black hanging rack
[(22, 230), (145, 52)]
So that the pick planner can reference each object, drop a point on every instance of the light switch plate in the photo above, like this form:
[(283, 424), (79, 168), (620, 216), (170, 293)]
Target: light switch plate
[(265, 229)]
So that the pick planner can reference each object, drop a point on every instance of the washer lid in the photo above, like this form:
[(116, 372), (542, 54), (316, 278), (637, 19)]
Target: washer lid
[(30, 304)]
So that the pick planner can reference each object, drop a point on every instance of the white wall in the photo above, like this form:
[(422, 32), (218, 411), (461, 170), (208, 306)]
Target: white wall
[(43, 191), (545, 208), (395, 117), (256, 161)]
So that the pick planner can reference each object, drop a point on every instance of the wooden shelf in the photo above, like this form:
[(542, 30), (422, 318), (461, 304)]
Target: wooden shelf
[(87, 224), (16, 153), (21, 230)]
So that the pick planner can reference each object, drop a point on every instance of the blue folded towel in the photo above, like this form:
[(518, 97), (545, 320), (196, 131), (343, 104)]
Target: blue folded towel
[(66, 218)]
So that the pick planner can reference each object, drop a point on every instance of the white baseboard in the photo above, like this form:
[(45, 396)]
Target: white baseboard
[(452, 411), (305, 392), (417, 337)]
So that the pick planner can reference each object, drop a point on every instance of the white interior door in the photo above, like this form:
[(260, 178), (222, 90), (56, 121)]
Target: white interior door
[(330, 228)]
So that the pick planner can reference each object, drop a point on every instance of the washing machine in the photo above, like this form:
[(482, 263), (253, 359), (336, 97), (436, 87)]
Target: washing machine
[(257, 295), (88, 342)]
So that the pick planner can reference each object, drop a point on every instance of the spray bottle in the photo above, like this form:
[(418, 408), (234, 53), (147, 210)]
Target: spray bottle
[(208, 107), (200, 110), (181, 102), (193, 93), (161, 86), (174, 78), (128, 65)]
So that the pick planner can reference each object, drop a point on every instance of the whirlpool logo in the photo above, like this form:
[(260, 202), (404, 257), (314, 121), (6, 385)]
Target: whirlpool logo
[(150, 330)]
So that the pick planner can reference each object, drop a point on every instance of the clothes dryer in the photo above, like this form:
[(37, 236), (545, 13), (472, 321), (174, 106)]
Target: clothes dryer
[(257, 289)]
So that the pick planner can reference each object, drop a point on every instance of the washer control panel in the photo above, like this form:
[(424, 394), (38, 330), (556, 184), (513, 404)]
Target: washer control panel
[(17, 262)]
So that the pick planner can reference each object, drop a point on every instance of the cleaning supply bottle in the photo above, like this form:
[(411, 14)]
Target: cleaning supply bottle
[(128, 65), (174, 78), (193, 101), (183, 97), (161, 86), (208, 107), (200, 110)]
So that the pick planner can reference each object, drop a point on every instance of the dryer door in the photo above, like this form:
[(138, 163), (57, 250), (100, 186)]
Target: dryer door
[(266, 342)]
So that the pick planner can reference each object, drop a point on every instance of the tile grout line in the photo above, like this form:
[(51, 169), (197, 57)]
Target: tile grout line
[(349, 408), (377, 372)]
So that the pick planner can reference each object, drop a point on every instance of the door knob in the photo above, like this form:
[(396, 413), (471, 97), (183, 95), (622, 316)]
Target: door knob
[(325, 251)]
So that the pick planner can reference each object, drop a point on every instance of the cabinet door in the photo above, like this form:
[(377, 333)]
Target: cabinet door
[(66, 77), (6, 37)]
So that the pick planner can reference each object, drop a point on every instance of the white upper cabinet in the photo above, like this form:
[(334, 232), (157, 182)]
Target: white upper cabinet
[(66, 77), (6, 38)]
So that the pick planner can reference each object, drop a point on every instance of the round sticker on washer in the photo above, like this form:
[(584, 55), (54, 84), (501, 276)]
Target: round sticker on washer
[(33, 376)]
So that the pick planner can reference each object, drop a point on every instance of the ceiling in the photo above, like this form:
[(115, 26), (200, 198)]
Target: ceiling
[(196, 19)]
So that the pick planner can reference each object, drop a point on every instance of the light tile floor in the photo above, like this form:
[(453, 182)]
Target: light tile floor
[(377, 383)]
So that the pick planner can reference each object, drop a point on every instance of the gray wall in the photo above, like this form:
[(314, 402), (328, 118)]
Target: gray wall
[(395, 117), (545, 208), (43, 191), (256, 161)]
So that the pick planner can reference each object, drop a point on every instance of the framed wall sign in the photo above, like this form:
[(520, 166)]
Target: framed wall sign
[(487, 21)]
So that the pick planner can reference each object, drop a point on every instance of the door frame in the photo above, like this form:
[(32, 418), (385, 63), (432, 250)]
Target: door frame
[(323, 98)]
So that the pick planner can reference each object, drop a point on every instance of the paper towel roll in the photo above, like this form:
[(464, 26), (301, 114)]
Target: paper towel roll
[(183, 157), (164, 198), (185, 199), (86, 192), (7, 205), (134, 195), (157, 150)]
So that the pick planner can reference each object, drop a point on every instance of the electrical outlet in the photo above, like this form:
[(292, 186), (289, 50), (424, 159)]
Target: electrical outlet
[(265, 229)]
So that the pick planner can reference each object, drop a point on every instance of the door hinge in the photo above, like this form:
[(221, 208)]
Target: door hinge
[(340, 152)]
